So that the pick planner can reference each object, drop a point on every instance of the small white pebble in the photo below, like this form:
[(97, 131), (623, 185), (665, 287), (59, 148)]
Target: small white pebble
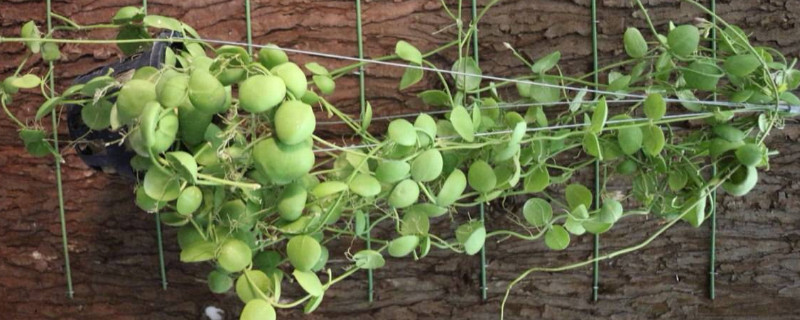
[(214, 313)]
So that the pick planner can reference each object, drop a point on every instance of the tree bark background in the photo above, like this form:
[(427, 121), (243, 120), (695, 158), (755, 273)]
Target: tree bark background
[(113, 244)]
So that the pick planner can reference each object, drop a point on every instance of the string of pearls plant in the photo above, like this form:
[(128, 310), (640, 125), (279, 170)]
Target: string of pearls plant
[(225, 146)]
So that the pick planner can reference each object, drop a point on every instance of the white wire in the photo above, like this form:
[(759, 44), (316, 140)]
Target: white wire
[(547, 128), (790, 108)]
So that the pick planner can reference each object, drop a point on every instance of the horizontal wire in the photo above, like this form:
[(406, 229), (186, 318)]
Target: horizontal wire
[(547, 128), (791, 108), (498, 106)]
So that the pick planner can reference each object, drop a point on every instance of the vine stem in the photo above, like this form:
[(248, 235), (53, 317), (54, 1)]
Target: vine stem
[(57, 160), (612, 254)]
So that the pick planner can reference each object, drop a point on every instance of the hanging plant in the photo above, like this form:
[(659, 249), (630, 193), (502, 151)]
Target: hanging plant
[(224, 148)]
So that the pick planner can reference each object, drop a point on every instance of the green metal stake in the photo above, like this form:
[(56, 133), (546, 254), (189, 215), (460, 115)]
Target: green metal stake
[(249, 27), (484, 288), (596, 265), (159, 237), (712, 272), (59, 185), (363, 102)]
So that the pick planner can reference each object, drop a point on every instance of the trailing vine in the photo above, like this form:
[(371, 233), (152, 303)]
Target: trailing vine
[(226, 150)]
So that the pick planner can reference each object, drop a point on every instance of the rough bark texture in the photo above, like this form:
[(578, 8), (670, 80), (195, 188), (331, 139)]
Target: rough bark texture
[(112, 243)]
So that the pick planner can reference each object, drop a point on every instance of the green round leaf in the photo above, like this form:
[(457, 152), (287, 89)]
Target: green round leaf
[(132, 98), (219, 282), (160, 185), (411, 76), (696, 206), (729, 132), (481, 177), (309, 282), (189, 200), (184, 164), (127, 14), (402, 132), (472, 236), (161, 22), (683, 40), (653, 140), (293, 77), (271, 56), (635, 45), (365, 185), (392, 171), (630, 139), (537, 212), (172, 89), (404, 194), (206, 93), (303, 251), (436, 98), (258, 309), (328, 188), (325, 83), (145, 202), (702, 75), (556, 238), (294, 122), (452, 189), (283, 163), (408, 52), (426, 127), (537, 180), (198, 251), (96, 116), (546, 63), (468, 74), (260, 93), (592, 145), (742, 181), (427, 166), (741, 65), (462, 123), (415, 222), (611, 211), (599, 116), (655, 107), (402, 246), (577, 194), (749, 154), (292, 201), (234, 255), (369, 259), (249, 290)]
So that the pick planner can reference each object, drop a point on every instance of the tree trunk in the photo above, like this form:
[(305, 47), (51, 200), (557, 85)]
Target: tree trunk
[(112, 244)]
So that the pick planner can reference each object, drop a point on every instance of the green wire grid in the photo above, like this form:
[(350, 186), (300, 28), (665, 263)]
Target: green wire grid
[(363, 103), (712, 272), (162, 269), (596, 66), (484, 288), (59, 184), (249, 27)]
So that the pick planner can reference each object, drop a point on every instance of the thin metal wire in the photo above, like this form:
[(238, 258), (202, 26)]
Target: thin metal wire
[(712, 259), (547, 128), (476, 55), (363, 104), (249, 27), (596, 65), (59, 183), (162, 268)]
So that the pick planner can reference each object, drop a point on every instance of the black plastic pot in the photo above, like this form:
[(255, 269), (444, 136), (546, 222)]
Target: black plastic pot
[(96, 153)]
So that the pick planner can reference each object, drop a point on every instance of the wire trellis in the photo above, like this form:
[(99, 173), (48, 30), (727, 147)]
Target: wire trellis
[(619, 98)]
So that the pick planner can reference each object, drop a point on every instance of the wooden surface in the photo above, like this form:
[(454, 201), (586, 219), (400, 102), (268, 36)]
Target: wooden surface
[(112, 243)]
